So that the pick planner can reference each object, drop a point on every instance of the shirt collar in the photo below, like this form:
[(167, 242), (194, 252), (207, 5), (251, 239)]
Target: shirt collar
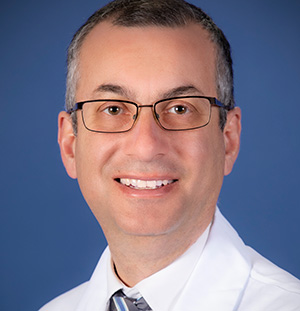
[(171, 279)]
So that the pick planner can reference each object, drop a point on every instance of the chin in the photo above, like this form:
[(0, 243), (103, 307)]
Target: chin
[(148, 229)]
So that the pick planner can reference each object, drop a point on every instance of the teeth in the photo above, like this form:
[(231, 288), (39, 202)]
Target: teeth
[(145, 184), (127, 182), (141, 184), (159, 183), (151, 184)]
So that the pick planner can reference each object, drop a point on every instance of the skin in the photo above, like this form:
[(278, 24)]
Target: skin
[(148, 229)]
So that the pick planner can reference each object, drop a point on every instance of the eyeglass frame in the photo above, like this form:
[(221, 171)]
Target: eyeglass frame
[(213, 102)]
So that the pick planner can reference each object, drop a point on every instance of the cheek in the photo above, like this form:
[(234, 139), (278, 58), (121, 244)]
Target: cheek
[(93, 154), (94, 150), (201, 148), (204, 157)]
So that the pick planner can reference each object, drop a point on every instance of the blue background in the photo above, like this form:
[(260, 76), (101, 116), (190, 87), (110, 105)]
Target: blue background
[(50, 241)]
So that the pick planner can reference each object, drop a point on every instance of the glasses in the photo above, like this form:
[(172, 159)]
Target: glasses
[(172, 114)]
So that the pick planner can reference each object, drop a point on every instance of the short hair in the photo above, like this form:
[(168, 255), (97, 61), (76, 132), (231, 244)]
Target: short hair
[(162, 13)]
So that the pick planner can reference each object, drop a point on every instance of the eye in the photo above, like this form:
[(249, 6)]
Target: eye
[(113, 110), (179, 109)]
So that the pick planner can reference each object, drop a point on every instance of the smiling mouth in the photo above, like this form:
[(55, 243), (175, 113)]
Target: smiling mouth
[(140, 184)]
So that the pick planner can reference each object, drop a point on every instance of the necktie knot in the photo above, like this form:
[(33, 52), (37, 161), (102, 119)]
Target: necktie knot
[(120, 302)]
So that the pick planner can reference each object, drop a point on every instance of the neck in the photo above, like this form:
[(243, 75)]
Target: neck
[(136, 258)]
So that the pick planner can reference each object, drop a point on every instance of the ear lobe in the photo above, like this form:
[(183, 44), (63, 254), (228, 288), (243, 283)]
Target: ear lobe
[(66, 141), (232, 133)]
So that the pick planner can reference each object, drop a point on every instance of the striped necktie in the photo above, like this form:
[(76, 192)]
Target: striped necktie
[(120, 302)]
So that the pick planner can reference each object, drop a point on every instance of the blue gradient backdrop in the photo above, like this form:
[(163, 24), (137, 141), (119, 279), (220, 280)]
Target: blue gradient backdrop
[(50, 240)]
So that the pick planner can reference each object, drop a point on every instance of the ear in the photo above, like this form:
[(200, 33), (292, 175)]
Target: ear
[(66, 141), (232, 133)]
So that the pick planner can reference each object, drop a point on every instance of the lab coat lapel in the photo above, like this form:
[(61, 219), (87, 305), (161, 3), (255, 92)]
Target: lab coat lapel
[(221, 275), (95, 295)]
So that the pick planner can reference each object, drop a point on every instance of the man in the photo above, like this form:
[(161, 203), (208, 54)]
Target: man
[(150, 131)]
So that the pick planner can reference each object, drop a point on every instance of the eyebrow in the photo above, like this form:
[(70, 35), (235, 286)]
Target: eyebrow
[(181, 91), (112, 88), (174, 92)]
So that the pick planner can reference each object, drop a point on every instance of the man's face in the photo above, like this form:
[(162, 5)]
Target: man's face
[(145, 64)]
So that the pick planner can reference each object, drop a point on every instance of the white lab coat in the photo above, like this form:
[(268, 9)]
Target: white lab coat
[(229, 276)]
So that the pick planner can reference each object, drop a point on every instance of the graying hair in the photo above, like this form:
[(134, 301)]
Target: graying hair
[(163, 13)]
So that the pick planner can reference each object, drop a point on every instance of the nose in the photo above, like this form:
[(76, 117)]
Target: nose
[(146, 140)]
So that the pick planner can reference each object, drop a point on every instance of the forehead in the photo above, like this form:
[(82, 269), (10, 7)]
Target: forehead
[(147, 56)]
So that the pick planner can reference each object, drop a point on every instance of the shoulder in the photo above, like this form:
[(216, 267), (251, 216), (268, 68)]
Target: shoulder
[(270, 287), (67, 301)]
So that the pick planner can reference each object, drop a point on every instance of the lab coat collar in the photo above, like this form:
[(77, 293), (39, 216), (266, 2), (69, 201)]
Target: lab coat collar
[(222, 273)]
